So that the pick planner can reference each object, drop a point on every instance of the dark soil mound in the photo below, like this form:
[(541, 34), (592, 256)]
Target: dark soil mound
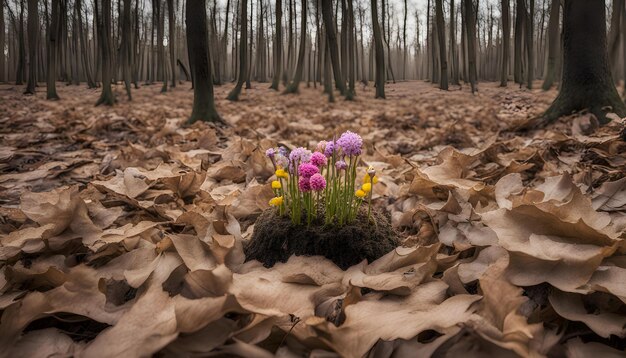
[(275, 238)]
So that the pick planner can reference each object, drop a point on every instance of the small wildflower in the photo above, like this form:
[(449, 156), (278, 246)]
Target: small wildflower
[(329, 149), (281, 173), (367, 187), (360, 194), (321, 146), (319, 160), (304, 184), (300, 155), (270, 153), (276, 184), (368, 179), (277, 201), (317, 182), (341, 165), (306, 170), (350, 143)]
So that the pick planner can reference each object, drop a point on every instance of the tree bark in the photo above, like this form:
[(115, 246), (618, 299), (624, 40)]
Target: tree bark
[(125, 47), (104, 33), (614, 33), (171, 19), (295, 83), (331, 37), (441, 36), (520, 10), (553, 44), (52, 51), (506, 37), (587, 81), (470, 22), (530, 45), (243, 49), (200, 55), (351, 47), (278, 46), (380, 52), (33, 37)]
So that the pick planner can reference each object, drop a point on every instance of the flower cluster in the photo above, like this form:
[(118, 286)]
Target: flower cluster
[(311, 184)]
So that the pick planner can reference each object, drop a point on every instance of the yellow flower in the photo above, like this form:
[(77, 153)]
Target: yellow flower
[(367, 179), (367, 187), (360, 194), (281, 173), (277, 201), (276, 184)]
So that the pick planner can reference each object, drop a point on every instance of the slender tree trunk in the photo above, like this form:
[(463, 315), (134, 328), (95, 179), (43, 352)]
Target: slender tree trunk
[(530, 44), (331, 36), (53, 33), (613, 41), (520, 10), (125, 47), (404, 50), (2, 45), (587, 81), (250, 62), (33, 36), (441, 36), (351, 47), (243, 46), (104, 32), (278, 46), (171, 19), (471, 42), (380, 55), (198, 47), (506, 37), (295, 83), (553, 44), (453, 52)]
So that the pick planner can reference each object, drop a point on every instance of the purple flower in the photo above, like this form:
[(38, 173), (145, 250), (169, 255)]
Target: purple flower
[(329, 149), (270, 153), (341, 165), (283, 151), (318, 159), (350, 143), (304, 184), (321, 146), (281, 160), (307, 170), (317, 182), (298, 156)]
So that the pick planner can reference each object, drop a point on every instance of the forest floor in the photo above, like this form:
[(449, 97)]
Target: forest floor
[(121, 231)]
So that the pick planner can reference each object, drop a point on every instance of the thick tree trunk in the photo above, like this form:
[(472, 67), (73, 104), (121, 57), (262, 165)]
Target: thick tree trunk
[(295, 83), (520, 10), (104, 33), (441, 36), (351, 46), (52, 52), (243, 49), (506, 37), (171, 19), (587, 81), (331, 37), (553, 44), (470, 21), (530, 43), (200, 55), (614, 33), (380, 52), (33, 37), (278, 46)]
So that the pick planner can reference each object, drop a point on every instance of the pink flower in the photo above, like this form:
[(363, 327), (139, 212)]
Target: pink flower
[(341, 165), (304, 184), (350, 143), (306, 170), (317, 182), (319, 160)]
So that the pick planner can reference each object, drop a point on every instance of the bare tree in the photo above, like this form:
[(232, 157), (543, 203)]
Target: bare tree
[(553, 44), (104, 34), (380, 52), (243, 46), (33, 45), (331, 38), (295, 83), (441, 37), (470, 22), (278, 46), (53, 33), (506, 38)]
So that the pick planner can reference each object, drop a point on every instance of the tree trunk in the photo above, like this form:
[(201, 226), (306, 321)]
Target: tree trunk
[(470, 22), (2, 60), (331, 37), (200, 55), (125, 47), (453, 50), (278, 46), (52, 52), (33, 36), (380, 52), (351, 47), (243, 49), (295, 83), (530, 44), (104, 33), (171, 19), (441, 36), (587, 81), (506, 37), (553, 44), (519, 37), (614, 33)]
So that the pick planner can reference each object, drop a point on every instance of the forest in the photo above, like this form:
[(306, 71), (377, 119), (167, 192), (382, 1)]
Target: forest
[(312, 178)]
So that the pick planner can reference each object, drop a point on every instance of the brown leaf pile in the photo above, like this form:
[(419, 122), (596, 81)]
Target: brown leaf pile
[(122, 233)]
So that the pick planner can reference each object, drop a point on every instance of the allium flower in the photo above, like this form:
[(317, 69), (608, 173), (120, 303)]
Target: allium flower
[(319, 160), (270, 153), (307, 170), (276, 184), (321, 146), (350, 143), (277, 201), (318, 183), (341, 165), (367, 187), (329, 149), (304, 184), (360, 194), (300, 155), (283, 151)]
